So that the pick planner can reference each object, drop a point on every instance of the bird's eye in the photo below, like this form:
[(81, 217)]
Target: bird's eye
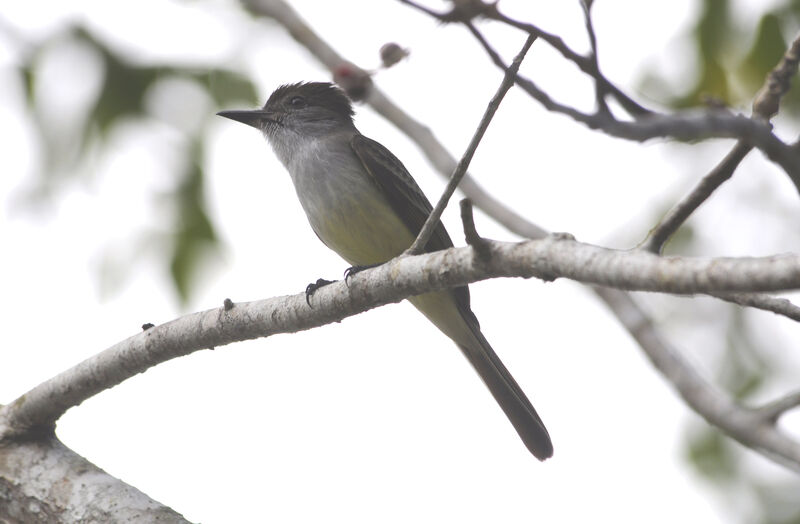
[(297, 102)]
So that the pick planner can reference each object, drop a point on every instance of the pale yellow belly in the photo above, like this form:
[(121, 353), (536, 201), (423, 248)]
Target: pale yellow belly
[(363, 233), (362, 228)]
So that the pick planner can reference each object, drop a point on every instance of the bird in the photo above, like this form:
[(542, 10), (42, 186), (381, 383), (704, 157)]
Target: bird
[(362, 203)]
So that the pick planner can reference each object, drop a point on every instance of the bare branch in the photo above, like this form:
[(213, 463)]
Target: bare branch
[(749, 427), (461, 169), (600, 90), (424, 9), (676, 216), (44, 481), (772, 411), (445, 163), (685, 126), (767, 100), (481, 246), (36, 411), (765, 107), (779, 306), (585, 64)]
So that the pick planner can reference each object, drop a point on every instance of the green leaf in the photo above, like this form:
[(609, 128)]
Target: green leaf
[(194, 238), (124, 85), (712, 35), (28, 79), (711, 454), (767, 49)]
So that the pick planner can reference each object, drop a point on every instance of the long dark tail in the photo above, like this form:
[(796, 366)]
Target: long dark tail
[(507, 393)]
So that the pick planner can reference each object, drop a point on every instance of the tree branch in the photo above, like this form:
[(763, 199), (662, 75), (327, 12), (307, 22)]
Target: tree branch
[(35, 412), (767, 100), (779, 306), (676, 216), (687, 126), (44, 481), (626, 310), (684, 126), (585, 64), (765, 106), (750, 427), (461, 169), (772, 411), (600, 90)]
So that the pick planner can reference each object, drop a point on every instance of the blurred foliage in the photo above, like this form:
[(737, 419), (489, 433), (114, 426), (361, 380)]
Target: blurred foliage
[(193, 233), (122, 96), (734, 56), (720, 460)]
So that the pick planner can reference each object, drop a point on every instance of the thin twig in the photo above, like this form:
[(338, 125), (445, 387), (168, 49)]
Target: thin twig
[(765, 106), (747, 426), (676, 216), (767, 100), (772, 411), (585, 64), (461, 169), (424, 9), (779, 306), (686, 126), (600, 90), (481, 246)]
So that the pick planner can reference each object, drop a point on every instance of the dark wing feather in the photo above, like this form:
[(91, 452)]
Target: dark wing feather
[(402, 191), (406, 199)]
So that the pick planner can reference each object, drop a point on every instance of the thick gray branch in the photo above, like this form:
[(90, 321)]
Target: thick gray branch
[(549, 258), (43, 481)]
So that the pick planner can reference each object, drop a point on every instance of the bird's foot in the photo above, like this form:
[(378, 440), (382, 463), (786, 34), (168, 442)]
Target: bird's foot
[(311, 288), (353, 270)]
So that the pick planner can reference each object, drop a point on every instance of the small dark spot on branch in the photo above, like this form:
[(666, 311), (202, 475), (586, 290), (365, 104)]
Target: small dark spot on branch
[(147, 326), (228, 304), (562, 236)]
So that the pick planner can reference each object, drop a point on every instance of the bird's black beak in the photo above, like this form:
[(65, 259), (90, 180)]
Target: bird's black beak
[(252, 117)]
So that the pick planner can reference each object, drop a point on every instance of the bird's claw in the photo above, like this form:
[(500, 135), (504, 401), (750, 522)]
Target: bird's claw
[(353, 270), (311, 288)]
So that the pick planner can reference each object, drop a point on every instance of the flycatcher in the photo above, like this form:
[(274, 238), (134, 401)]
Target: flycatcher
[(362, 203)]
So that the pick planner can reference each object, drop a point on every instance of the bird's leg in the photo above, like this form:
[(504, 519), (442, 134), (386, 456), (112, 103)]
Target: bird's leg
[(321, 282), (352, 270), (311, 288)]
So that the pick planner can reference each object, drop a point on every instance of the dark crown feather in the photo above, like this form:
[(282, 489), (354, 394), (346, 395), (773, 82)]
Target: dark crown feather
[(323, 94)]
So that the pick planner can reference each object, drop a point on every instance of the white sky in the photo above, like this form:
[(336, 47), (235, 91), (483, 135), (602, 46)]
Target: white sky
[(377, 418)]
